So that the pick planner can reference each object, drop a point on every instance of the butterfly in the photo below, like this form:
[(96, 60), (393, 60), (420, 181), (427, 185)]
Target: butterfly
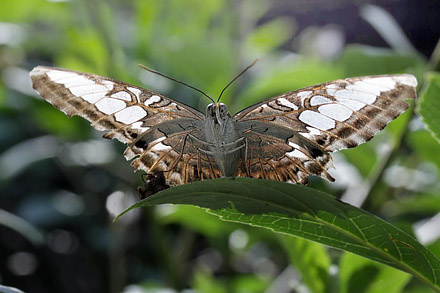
[(285, 138)]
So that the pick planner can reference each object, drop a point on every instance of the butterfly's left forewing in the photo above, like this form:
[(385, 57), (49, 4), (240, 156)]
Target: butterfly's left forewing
[(322, 118), (154, 127)]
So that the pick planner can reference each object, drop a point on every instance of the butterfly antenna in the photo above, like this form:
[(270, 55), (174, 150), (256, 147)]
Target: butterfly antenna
[(235, 78), (173, 79)]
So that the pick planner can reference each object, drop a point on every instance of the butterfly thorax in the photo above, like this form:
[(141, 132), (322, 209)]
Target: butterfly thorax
[(222, 138)]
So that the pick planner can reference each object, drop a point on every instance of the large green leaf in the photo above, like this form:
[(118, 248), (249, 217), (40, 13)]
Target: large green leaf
[(429, 105), (307, 213)]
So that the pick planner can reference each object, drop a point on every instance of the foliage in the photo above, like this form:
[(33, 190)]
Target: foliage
[(429, 104), (307, 213)]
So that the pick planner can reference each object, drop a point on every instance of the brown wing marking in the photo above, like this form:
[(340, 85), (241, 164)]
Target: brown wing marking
[(293, 159), (369, 104)]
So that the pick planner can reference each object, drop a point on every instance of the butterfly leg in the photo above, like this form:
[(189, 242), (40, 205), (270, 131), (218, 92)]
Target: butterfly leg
[(199, 165), (208, 153), (229, 144), (200, 141), (180, 153), (247, 163), (234, 150), (234, 143)]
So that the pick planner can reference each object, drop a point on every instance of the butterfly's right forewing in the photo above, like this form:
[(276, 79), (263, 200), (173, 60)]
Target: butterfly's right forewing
[(323, 118)]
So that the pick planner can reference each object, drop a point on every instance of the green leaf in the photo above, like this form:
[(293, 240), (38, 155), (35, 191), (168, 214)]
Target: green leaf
[(196, 219), (270, 35), (429, 104), (307, 213), (358, 274), (425, 145), (358, 60), (87, 52), (421, 204), (311, 259)]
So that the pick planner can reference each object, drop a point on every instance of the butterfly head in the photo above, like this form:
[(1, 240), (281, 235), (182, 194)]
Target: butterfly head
[(218, 112)]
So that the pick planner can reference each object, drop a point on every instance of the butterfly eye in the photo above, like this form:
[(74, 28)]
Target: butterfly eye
[(222, 108), (210, 109)]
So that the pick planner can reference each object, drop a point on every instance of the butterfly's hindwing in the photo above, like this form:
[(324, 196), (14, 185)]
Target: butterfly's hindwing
[(277, 153), (173, 147)]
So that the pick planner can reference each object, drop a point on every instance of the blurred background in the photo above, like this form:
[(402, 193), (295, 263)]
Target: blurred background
[(61, 184)]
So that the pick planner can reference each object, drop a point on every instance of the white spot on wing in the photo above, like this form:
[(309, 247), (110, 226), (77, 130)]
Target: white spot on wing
[(135, 91), (361, 86), (108, 84), (316, 120), (122, 95), (138, 125), (287, 103), (356, 96), (157, 140), (160, 147), (294, 145), (94, 97), (353, 105), (406, 79), (110, 106), (130, 114), (332, 88), (303, 95), (55, 75), (319, 100), (88, 89), (307, 135), (337, 112), (297, 154), (152, 100), (387, 82), (76, 80), (313, 131)]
